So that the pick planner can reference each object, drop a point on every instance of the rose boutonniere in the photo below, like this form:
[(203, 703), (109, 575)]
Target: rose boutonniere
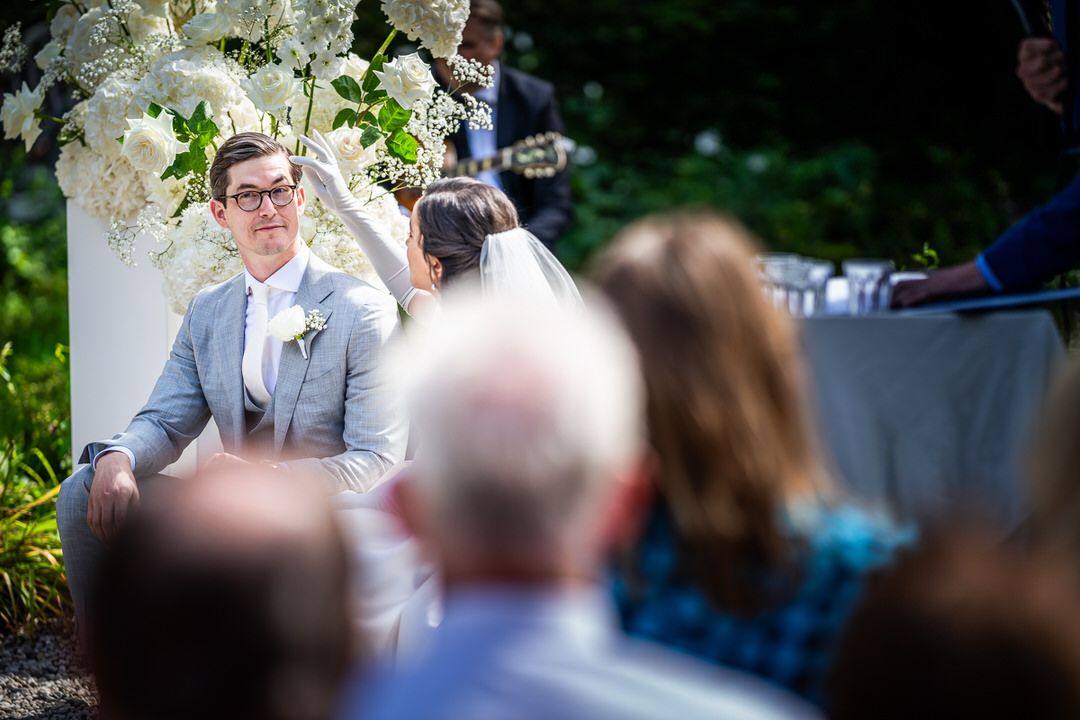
[(293, 324)]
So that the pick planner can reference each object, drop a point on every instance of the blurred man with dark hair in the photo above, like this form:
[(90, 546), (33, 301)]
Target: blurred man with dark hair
[(962, 628), (224, 597), (521, 106), (530, 469)]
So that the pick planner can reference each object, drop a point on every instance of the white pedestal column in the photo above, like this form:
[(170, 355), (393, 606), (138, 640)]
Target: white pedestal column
[(121, 333)]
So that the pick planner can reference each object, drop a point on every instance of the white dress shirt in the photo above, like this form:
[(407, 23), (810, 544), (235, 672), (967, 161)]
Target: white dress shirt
[(482, 142), (282, 285)]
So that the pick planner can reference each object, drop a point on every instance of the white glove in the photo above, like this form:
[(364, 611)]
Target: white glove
[(387, 257)]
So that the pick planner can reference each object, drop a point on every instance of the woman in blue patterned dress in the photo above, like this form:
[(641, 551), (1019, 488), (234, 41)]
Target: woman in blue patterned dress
[(749, 556)]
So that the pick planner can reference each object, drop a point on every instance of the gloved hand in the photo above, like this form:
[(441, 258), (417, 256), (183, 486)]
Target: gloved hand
[(387, 257), (323, 173)]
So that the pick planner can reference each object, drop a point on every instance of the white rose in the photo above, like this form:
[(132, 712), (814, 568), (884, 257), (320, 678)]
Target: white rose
[(272, 87), (206, 27), (50, 52), (18, 116), (407, 79), (351, 154), (287, 324), (150, 144)]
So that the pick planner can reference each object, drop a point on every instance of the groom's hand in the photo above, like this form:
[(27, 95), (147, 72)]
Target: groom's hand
[(112, 494)]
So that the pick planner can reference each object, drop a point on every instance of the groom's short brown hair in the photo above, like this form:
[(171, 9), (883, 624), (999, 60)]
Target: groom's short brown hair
[(245, 146)]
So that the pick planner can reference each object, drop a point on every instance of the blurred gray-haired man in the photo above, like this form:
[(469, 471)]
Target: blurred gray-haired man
[(530, 469)]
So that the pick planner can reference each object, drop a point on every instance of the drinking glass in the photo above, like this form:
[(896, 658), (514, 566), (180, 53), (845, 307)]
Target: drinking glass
[(818, 274), (868, 284)]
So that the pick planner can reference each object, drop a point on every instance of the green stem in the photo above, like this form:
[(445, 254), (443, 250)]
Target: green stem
[(380, 51), (307, 119)]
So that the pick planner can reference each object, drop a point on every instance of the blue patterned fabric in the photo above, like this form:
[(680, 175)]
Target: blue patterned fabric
[(790, 643)]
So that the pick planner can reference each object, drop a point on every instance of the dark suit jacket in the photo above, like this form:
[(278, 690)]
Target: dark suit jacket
[(527, 106)]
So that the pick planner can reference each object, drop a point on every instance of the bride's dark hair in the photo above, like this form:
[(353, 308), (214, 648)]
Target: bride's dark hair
[(455, 216)]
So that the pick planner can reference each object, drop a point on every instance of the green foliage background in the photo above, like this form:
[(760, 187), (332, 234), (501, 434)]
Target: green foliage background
[(838, 128)]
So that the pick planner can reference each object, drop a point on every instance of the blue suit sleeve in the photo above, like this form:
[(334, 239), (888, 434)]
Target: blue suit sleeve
[(1041, 245)]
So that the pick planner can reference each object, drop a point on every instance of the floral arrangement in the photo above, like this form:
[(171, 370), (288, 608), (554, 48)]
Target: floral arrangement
[(161, 84)]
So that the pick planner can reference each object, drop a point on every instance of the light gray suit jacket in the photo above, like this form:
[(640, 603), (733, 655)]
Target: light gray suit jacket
[(334, 413)]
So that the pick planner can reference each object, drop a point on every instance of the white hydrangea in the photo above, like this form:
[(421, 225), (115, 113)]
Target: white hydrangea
[(196, 253), (106, 112), (183, 79), (437, 24), (104, 187)]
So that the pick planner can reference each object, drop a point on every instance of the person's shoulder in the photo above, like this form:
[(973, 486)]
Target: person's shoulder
[(211, 294), (349, 288), (691, 688)]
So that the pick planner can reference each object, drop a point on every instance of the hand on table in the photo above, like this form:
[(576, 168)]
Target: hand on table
[(954, 281)]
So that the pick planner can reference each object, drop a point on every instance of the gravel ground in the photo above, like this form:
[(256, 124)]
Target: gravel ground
[(40, 680)]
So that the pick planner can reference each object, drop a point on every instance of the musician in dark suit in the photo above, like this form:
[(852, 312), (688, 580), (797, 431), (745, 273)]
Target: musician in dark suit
[(1046, 242), (521, 106)]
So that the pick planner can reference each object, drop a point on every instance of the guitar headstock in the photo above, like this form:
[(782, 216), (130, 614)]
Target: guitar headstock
[(537, 156)]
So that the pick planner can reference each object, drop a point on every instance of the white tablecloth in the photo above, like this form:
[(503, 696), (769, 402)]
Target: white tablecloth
[(931, 414)]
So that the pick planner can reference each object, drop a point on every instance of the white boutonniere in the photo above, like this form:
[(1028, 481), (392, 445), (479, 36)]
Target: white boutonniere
[(293, 324)]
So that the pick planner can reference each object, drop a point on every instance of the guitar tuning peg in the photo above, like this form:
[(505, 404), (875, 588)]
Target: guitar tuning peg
[(530, 173), (530, 141)]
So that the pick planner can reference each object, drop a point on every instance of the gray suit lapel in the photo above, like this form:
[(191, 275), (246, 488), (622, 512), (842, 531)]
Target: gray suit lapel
[(315, 289)]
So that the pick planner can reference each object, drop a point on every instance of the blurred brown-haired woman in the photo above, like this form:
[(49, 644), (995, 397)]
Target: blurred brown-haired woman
[(748, 558)]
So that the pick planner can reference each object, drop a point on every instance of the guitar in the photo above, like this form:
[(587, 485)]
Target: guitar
[(540, 155), (536, 156)]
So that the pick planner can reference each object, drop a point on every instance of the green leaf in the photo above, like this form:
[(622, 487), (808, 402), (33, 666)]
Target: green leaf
[(371, 80), (347, 116), (392, 116), (371, 135), (375, 96), (154, 110), (403, 146), (348, 88)]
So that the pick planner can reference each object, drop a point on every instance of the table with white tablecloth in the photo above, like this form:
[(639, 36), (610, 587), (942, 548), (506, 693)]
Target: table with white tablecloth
[(931, 414)]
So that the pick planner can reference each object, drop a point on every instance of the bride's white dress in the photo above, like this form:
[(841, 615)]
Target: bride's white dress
[(394, 590)]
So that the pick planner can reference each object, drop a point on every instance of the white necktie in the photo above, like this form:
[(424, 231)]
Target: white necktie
[(255, 351)]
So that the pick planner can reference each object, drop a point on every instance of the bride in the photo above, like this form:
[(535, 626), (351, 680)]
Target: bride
[(461, 232), (460, 229)]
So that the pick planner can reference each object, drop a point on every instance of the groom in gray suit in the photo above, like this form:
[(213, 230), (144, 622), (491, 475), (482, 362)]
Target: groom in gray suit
[(317, 406)]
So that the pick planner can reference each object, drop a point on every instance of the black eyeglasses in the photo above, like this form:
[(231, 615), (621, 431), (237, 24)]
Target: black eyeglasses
[(251, 200)]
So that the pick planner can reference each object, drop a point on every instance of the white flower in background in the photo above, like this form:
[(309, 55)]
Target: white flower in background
[(407, 79), (17, 115), (183, 79), (150, 144), (47, 54), (197, 252), (103, 187), (352, 156), (167, 195), (206, 28), (436, 23), (63, 23), (272, 87), (106, 114)]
